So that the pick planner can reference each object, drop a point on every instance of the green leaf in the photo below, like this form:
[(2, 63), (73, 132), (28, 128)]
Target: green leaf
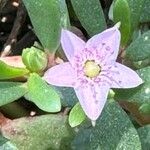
[(113, 131), (140, 94), (144, 73), (5, 144), (128, 12), (11, 91), (90, 15), (65, 22), (67, 95), (145, 15), (47, 17), (139, 49), (136, 7), (124, 18), (144, 134), (9, 72), (42, 94), (47, 132), (2, 140), (145, 108), (8, 146), (76, 116), (141, 64)]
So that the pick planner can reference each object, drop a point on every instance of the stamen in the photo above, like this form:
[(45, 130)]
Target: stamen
[(91, 69)]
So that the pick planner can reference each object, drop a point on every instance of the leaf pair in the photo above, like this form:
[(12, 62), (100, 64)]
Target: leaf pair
[(36, 90)]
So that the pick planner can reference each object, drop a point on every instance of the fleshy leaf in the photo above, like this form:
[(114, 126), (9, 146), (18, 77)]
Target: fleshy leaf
[(144, 134), (46, 17), (76, 116), (139, 49), (90, 14), (47, 132), (42, 94), (145, 109), (136, 7), (8, 146), (113, 131), (124, 18), (2, 140), (9, 72), (67, 96), (65, 22), (11, 91), (130, 17), (145, 14)]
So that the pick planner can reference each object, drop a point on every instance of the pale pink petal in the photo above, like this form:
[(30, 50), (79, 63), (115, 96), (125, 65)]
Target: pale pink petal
[(92, 100), (71, 44), (125, 77), (107, 43), (61, 75)]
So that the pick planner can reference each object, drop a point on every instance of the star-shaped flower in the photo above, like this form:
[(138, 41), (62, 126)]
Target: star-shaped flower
[(92, 69)]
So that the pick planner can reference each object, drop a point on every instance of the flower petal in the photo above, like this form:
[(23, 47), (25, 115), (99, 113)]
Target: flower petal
[(92, 99), (71, 44), (107, 43), (60, 75), (125, 78)]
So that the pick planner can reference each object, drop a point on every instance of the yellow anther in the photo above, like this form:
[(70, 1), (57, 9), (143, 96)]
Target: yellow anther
[(91, 69)]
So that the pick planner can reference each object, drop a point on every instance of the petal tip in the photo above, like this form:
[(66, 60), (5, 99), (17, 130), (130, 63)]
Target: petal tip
[(117, 25), (93, 123), (63, 32), (141, 81)]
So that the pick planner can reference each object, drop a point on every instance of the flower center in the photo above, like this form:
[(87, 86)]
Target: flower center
[(91, 69)]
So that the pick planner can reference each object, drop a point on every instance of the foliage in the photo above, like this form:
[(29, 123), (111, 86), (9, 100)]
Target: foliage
[(38, 132), (115, 123), (70, 128)]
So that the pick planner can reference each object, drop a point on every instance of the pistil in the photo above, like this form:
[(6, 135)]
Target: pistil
[(91, 69)]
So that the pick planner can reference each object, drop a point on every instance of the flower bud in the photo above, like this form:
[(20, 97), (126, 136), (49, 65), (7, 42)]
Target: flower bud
[(34, 59)]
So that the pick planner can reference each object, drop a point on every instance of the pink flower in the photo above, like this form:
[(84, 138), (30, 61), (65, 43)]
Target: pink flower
[(92, 69)]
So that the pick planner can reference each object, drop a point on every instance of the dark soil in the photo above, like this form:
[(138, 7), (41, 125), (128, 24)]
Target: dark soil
[(15, 28)]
